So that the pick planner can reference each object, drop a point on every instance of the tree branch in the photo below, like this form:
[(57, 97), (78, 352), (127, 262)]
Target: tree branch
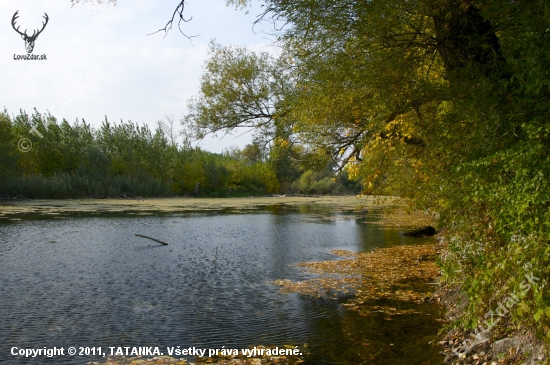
[(179, 13)]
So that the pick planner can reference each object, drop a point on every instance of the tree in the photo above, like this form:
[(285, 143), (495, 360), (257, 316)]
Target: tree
[(252, 153), (8, 154), (240, 89)]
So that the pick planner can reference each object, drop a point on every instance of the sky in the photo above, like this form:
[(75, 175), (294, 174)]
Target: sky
[(101, 62)]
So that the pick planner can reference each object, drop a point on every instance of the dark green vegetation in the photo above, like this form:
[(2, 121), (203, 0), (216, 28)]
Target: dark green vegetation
[(444, 102), (75, 161)]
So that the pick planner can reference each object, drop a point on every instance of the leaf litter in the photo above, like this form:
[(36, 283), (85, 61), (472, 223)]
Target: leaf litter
[(393, 273)]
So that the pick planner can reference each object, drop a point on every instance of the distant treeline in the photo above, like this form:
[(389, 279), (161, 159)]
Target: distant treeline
[(43, 158)]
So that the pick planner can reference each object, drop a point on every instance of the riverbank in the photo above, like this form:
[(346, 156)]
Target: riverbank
[(501, 344), (462, 346), (466, 346), (504, 343)]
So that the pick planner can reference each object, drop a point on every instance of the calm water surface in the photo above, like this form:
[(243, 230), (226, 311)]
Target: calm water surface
[(88, 281)]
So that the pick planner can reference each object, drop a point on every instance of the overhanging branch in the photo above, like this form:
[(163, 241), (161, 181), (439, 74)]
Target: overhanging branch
[(179, 13)]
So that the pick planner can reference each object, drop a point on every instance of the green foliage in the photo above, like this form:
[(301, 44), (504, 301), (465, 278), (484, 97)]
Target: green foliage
[(238, 89), (314, 183), (75, 161), (8, 155), (444, 102)]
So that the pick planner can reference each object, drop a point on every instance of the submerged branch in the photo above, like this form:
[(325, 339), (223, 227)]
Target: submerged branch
[(151, 238)]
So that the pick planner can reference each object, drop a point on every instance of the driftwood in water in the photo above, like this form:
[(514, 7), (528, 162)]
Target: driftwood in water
[(151, 238), (427, 231)]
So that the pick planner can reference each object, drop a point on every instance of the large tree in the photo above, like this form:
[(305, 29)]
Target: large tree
[(241, 89)]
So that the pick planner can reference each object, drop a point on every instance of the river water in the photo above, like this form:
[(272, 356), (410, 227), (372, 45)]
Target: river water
[(87, 281)]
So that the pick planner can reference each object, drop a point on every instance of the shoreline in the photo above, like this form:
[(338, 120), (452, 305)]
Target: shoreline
[(466, 346), (462, 346)]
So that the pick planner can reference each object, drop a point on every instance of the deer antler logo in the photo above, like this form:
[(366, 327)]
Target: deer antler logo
[(29, 40)]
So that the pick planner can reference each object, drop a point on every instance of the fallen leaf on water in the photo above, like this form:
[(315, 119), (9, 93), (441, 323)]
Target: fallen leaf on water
[(386, 273)]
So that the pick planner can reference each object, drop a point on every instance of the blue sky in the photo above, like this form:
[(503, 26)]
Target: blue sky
[(100, 61)]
